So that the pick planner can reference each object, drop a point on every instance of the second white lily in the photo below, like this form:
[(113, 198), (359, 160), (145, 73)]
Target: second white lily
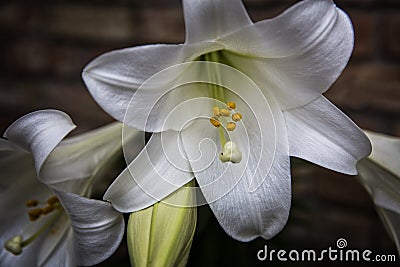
[(55, 223)]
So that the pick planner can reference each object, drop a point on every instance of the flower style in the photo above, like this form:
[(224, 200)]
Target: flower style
[(54, 223), (254, 89), (380, 175)]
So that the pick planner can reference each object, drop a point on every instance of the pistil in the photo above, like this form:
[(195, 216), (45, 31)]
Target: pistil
[(217, 92), (16, 244)]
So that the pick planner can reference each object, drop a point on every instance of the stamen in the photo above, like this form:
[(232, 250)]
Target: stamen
[(47, 209), (52, 200), (34, 214), (230, 126), (236, 117), (14, 245), (224, 112), (214, 121), (230, 153), (32, 203), (216, 111), (231, 105)]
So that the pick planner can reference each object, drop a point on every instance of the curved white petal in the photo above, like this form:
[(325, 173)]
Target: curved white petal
[(298, 29), (250, 198), (157, 171), (114, 77), (392, 222), (385, 151), (98, 228), (383, 186), (300, 53), (40, 132), (82, 156), (209, 19), (321, 133)]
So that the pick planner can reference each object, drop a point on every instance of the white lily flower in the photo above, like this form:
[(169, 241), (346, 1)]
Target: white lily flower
[(380, 175), (55, 224), (260, 87)]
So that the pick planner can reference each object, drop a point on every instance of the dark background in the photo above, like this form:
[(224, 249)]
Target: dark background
[(45, 44)]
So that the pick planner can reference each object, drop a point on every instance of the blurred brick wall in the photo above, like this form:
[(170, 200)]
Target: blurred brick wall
[(45, 44)]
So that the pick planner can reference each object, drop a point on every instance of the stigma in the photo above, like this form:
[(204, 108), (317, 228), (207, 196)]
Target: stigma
[(230, 153), (14, 245)]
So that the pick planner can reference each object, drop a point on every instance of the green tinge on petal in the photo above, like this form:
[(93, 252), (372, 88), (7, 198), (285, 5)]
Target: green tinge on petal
[(162, 234)]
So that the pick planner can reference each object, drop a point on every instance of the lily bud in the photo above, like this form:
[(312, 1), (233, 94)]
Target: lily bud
[(162, 234)]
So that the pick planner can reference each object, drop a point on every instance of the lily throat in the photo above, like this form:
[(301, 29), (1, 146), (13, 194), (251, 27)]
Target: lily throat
[(224, 115)]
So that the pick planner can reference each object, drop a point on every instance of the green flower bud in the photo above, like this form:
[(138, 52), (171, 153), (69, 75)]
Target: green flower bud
[(162, 234)]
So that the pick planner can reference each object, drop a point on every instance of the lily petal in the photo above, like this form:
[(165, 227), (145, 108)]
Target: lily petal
[(321, 133), (39, 132), (300, 53), (114, 77), (383, 186), (262, 177), (61, 256), (392, 223), (385, 151), (85, 153), (54, 250), (156, 172), (208, 19), (98, 228)]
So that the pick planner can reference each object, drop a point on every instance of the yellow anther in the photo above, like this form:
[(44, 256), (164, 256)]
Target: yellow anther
[(216, 111), (214, 121), (231, 105), (14, 245), (32, 203), (47, 209), (230, 126), (52, 200), (224, 112), (236, 117), (34, 214)]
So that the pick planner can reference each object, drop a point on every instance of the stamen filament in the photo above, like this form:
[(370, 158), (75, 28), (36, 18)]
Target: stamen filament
[(41, 230)]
